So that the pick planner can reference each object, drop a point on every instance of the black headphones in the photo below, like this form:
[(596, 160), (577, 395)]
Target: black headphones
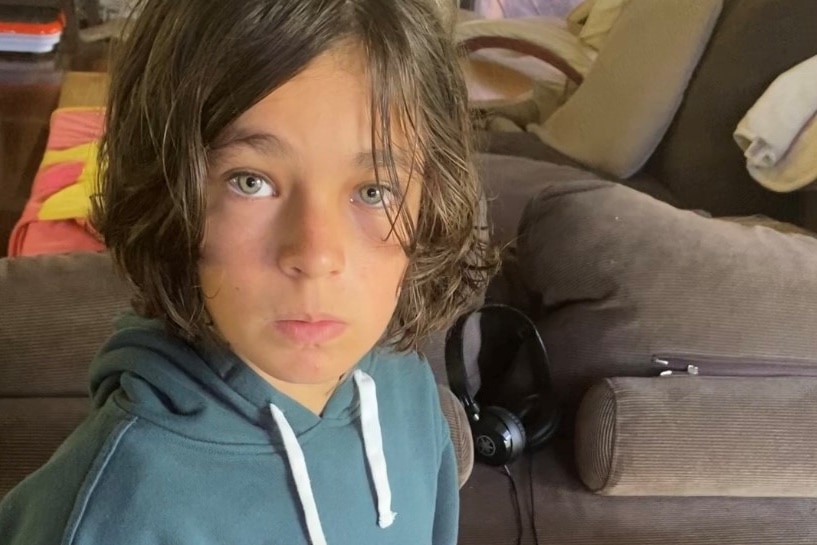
[(482, 353)]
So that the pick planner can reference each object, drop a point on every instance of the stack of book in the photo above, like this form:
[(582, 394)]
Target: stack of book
[(30, 29)]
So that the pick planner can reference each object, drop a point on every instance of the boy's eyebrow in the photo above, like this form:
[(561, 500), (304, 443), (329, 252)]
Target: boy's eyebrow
[(262, 142), (378, 159), (269, 144)]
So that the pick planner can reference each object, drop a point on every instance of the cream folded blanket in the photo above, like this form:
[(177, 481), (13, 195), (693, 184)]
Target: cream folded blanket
[(778, 135)]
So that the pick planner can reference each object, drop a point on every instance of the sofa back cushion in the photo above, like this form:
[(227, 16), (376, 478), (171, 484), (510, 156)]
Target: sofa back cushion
[(623, 278), (55, 312)]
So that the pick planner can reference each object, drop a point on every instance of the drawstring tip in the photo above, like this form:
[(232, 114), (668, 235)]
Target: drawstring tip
[(386, 519)]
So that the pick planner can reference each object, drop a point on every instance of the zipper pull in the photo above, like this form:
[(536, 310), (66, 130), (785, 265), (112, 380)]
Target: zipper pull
[(688, 370)]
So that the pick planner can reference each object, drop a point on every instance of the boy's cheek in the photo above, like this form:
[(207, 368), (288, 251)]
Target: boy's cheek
[(211, 280)]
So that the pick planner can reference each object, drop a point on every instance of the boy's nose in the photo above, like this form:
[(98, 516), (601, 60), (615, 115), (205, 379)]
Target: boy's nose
[(311, 239)]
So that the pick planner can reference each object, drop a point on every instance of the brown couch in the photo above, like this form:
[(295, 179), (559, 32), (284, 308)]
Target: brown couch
[(623, 287)]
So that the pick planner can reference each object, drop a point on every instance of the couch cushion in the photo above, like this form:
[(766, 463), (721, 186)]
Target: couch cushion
[(55, 312), (566, 513), (31, 429), (510, 182), (753, 42), (617, 116), (731, 436), (622, 277), (498, 172), (460, 430)]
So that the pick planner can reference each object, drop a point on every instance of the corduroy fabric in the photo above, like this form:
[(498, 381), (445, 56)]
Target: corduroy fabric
[(31, 429), (55, 312), (567, 513), (460, 433), (700, 436), (622, 277), (596, 436)]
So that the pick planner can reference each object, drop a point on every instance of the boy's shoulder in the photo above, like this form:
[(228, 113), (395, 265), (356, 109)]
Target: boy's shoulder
[(405, 367), (403, 377), (408, 394)]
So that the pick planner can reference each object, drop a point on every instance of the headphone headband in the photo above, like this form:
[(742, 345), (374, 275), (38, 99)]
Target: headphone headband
[(510, 322)]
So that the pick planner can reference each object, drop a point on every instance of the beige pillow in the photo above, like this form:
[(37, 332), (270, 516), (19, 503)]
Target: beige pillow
[(592, 20), (616, 118)]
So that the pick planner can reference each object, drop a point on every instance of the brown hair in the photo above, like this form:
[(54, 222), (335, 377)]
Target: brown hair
[(189, 68)]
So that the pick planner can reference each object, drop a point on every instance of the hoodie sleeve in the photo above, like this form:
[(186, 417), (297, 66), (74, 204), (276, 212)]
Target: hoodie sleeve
[(447, 512)]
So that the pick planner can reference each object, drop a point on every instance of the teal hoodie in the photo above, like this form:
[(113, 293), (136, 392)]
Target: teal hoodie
[(190, 446)]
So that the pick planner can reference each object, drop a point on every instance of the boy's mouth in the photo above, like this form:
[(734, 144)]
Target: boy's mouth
[(310, 329)]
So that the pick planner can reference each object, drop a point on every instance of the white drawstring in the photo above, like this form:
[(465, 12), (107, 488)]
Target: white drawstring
[(373, 443), (297, 464), (375, 457)]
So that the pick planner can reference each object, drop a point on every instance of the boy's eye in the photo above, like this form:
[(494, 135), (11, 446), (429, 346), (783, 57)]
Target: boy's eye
[(376, 195), (251, 185)]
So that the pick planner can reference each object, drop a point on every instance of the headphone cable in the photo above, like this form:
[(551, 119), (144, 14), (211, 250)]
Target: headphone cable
[(532, 500), (517, 508), (517, 505)]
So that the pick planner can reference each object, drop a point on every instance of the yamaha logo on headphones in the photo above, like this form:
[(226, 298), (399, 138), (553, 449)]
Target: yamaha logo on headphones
[(486, 446)]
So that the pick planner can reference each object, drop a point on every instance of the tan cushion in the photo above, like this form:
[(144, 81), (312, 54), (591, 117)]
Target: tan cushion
[(699, 436), (616, 118)]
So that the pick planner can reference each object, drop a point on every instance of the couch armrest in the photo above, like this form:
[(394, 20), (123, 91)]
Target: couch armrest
[(699, 436)]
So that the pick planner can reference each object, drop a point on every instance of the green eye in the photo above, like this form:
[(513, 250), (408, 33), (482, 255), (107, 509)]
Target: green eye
[(374, 195), (251, 185)]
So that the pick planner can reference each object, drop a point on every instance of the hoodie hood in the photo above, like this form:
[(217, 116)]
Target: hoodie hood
[(209, 394), (204, 393)]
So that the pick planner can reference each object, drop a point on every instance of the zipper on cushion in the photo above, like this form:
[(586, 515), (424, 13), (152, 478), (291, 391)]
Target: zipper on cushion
[(720, 366)]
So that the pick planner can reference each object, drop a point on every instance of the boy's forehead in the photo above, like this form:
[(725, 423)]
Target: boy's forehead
[(333, 88), (343, 66), (264, 142)]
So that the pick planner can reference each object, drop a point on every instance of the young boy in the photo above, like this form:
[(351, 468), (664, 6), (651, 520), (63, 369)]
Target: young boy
[(288, 186)]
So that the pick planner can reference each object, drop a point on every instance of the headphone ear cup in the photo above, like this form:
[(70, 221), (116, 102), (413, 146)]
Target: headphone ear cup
[(499, 436)]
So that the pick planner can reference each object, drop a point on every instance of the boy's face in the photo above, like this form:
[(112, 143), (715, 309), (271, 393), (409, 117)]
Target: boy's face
[(296, 269)]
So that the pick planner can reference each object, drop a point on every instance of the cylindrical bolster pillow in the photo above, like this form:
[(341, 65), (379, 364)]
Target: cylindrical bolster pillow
[(699, 436), (460, 433)]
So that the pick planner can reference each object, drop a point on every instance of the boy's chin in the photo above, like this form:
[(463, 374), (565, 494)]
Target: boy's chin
[(306, 365)]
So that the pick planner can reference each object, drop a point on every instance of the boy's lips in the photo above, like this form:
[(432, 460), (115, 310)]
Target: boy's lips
[(310, 328)]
